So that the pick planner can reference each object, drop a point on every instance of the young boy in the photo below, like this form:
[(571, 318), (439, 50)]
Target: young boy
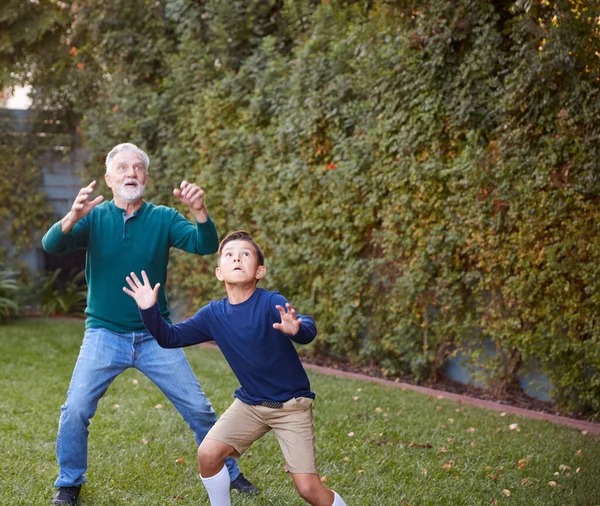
[(255, 334)]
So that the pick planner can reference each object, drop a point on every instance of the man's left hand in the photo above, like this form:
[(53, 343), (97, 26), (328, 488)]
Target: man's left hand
[(193, 197)]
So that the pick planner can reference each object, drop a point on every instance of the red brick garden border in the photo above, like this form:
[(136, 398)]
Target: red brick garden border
[(582, 425)]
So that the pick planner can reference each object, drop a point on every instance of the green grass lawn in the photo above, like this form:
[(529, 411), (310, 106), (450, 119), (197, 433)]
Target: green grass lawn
[(372, 440)]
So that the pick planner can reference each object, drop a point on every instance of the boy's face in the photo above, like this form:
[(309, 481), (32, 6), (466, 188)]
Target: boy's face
[(238, 264)]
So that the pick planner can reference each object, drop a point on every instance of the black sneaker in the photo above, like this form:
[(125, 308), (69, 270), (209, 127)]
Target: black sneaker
[(242, 485), (67, 495)]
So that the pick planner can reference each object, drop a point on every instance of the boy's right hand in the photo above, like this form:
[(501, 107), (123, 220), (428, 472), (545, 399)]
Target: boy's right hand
[(145, 296)]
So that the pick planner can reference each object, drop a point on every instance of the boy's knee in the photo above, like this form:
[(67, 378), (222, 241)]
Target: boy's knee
[(210, 454), (308, 489)]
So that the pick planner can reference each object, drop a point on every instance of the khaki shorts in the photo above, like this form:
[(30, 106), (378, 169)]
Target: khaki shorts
[(242, 424)]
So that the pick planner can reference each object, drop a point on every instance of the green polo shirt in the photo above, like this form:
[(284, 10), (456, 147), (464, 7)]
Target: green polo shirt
[(118, 245)]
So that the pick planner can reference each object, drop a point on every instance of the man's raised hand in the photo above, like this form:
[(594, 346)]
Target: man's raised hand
[(145, 296), (191, 195), (290, 323), (81, 207)]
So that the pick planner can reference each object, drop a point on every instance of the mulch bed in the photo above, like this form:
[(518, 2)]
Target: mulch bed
[(512, 398)]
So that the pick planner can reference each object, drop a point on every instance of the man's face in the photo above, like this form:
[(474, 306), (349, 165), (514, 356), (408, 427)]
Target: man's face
[(127, 177), (238, 264)]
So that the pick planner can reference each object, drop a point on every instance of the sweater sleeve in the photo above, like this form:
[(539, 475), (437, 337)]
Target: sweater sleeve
[(199, 238), (189, 332), (57, 242), (308, 328)]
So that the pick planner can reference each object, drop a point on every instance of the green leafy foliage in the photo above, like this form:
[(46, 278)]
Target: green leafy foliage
[(422, 176), (9, 288), (60, 297)]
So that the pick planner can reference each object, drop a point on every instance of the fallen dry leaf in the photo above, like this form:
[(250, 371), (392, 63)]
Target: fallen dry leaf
[(443, 449), (323, 479), (144, 441), (584, 432), (564, 468), (446, 467), (180, 460), (378, 410), (361, 471), (473, 444), (355, 398), (350, 434), (438, 408), (424, 471), (503, 414), (440, 396), (159, 406), (450, 420), (116, 406), (346, 459), (579, 453), (471, 429), (506, 492), (134, 381), (457, 410), (513, 426), (525, 482), (552, 483), (578, 470)]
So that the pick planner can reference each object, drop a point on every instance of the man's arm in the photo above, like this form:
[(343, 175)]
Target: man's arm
[(201, 239), (189, 332), (70, 233)]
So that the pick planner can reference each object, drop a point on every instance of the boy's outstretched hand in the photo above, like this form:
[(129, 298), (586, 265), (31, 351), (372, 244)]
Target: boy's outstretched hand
[(290, 323), (145, 296)]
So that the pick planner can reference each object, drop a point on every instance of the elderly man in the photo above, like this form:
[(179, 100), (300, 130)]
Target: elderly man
[(121, 236)]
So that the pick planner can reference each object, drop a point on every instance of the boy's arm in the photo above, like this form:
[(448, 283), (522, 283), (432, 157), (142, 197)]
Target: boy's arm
[(299, 328), (191, 331)]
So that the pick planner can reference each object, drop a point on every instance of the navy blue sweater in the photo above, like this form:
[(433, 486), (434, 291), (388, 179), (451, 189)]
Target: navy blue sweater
[(263, 359)]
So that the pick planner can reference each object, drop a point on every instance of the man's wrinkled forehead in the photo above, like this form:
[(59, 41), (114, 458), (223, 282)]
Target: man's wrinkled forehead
[(127, 157)]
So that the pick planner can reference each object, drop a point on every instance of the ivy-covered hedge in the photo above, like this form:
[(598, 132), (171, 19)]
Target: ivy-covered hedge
[(422, 175)]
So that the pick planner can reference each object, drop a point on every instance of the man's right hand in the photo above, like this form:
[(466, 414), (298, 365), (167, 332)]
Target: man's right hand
[(81, 207), (145, 296)]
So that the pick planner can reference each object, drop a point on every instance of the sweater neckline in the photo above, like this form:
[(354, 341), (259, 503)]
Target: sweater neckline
[(116, 209)]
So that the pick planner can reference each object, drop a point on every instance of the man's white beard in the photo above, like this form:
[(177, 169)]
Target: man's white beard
[(128, 194)]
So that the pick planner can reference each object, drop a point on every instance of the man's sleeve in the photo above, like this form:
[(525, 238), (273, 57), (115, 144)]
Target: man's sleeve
[(308, 328), (57, 242), (199, 238), (189, 332)]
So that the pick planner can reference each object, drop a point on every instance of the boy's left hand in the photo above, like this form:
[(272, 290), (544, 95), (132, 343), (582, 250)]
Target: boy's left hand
[(290, 323)]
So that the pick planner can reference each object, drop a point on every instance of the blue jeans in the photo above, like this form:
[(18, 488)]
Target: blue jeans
[(102, 357)]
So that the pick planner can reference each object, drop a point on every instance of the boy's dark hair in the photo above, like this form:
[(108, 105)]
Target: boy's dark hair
[(242, 235)]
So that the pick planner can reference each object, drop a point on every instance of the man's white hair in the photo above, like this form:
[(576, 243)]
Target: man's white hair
[(126, 146)]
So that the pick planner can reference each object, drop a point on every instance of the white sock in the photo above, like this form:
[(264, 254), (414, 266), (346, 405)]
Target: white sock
[(337, 500), (217, 487)]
